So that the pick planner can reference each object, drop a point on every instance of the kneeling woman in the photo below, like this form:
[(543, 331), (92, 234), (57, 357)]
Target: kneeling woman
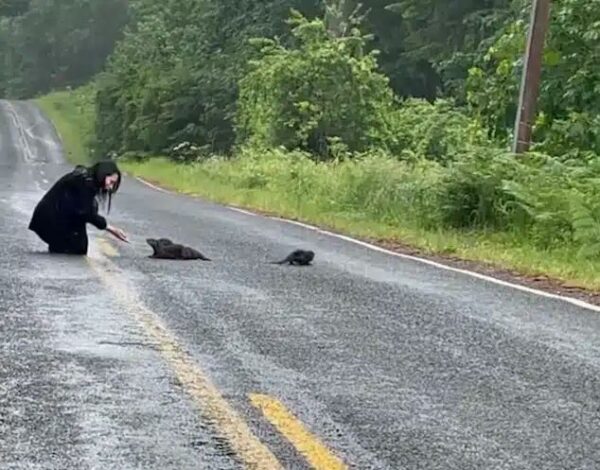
[(60, 217)]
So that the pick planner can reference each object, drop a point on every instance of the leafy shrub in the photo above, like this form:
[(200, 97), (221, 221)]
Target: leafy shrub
[(575, 136), (437, 131), (562, 200), (322, 89), (471, 193)]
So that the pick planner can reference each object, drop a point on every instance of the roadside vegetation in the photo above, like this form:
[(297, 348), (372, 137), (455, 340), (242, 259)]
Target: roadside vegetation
[(391, 124), (72, 113)]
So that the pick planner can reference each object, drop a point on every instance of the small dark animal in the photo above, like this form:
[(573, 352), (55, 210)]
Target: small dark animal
[(299, 257), (164, 248)]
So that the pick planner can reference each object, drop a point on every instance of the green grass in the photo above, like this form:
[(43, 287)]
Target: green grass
[(72, 113), (333, 196)]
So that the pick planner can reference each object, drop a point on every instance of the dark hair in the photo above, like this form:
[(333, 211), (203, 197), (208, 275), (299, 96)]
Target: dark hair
[(100, 171)]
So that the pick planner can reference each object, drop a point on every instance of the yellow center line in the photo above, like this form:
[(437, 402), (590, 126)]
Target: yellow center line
[(303, 440), (107, 248), (205, 395)]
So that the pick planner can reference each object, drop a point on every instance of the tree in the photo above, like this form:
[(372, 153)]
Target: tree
[(55, 43), (11, 8), (175, 75)]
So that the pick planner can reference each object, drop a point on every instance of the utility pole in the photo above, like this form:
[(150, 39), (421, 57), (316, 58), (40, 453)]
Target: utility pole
[(532, 71)]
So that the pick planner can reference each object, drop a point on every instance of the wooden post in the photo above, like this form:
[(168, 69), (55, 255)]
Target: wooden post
[(532, 71)]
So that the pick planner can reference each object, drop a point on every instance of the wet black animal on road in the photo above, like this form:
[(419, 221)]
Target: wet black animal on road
[(297, 257), (164, 248)]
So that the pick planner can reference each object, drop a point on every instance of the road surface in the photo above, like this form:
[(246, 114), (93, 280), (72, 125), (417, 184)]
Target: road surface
[(364, 360)]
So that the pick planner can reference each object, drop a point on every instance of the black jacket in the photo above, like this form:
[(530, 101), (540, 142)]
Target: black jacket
[(68, 206)]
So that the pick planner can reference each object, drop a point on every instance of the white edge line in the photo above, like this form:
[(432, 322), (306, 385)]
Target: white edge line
[(571, 300), (162, 190), (244, 211)]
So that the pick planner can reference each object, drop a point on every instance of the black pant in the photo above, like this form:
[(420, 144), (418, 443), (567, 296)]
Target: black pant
[(72, 242)]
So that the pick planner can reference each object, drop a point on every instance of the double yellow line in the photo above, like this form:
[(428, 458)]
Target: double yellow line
[(253, 453), (304, 441)]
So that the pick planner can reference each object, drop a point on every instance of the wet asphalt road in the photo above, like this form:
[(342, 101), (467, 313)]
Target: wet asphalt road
[(390, 363)]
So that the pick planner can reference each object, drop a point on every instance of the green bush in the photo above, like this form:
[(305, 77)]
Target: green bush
[(549, 202), (497, 190), (437, 131), (561, 199), (575, 136), (471, 192), (322, 89)]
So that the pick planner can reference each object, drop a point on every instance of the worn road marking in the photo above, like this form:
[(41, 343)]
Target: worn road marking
[(18, 127), (303, 440), (150, 185), (107, 248), (253, 453)]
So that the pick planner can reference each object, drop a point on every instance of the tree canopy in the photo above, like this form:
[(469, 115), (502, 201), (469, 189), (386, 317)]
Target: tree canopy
[(173, 70)]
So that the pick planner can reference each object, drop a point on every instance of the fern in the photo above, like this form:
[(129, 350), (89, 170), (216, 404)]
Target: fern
[(586, 226)]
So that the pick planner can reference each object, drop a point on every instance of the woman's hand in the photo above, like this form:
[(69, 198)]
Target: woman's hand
[(118, 233)]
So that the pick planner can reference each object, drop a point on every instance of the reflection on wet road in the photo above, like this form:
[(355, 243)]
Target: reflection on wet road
[(361, 361)]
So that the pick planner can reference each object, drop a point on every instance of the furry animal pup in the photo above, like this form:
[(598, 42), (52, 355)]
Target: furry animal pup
[(297, 257), (163, 248)]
